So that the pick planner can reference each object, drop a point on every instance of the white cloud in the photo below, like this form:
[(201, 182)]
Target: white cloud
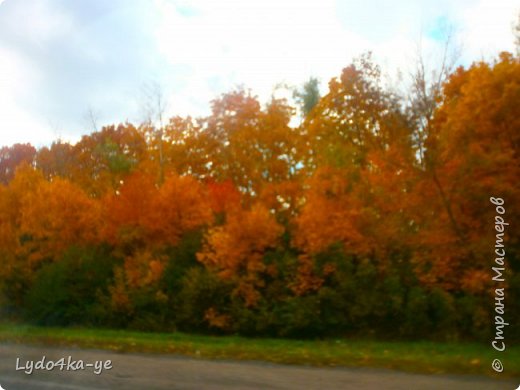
[(487, 28), (255, 43), (60, 58), (18, 125)]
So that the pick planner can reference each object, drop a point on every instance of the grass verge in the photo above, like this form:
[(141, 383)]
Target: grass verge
[(419, 357)]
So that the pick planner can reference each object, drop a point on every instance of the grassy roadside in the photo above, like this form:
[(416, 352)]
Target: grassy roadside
[(423, 357)]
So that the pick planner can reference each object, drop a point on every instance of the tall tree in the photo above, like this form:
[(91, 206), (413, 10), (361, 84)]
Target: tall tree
[(56, 160), (102, 159), (472, 153), (248, 145), (357, 115), (56, 215), (11, 157)]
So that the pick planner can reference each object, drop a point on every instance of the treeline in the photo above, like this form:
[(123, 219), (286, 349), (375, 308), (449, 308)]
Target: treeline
[(371, 217)]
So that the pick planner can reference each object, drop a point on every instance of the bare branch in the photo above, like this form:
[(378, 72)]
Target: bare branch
[(92, 119)]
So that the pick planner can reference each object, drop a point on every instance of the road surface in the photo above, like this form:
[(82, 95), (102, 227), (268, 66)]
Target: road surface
[(150, 372)]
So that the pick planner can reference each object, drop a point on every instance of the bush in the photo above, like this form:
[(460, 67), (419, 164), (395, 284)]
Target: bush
[(181, 258), (201, 291), (14, 288), (149, 311), (67, 291)]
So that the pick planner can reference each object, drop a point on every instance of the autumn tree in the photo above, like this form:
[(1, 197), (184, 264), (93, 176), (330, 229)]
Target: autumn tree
[(56, 215), (472, 153), (360, 152), (180, 149), (180, 205), (56, 160), (236, 250), (242, 222), (356, 116), (11, 157), (145, 221), (16, 271), (248, 145), (144, 214), (102, 159)]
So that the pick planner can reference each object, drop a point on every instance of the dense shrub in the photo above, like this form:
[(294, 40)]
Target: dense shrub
[(358, 298), (68, 291), (202, 292), (181, 258)]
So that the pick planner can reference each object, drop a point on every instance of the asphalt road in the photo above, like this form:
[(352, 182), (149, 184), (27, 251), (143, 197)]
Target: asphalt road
[(149, 372)]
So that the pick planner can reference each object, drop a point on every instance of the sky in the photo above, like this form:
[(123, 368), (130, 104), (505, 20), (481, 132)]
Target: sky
[(68, 67)]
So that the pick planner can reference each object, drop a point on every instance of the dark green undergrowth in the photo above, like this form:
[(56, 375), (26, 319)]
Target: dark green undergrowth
[(86, 287)]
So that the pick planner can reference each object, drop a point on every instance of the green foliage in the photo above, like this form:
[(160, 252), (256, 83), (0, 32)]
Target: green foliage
[(308, 96), (416, 313), (149, 311), (14, 288), (201, 291), (181, 258), (357, 299), (67, 291), (474, 316), (300, 317), (117, 162)]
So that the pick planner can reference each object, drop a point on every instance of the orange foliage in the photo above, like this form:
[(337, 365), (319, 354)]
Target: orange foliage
[(223, 196), (216, 320), (351, 174), (306, 280), (472, 154), (143, 268), (12, 157), (179, 206), (330, 215), (126, 210), (102, 159), (58, 160), (141, 213), (237, 248), (56, 215)]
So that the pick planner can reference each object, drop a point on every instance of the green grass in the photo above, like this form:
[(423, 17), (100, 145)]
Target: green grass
[(422, 357)]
